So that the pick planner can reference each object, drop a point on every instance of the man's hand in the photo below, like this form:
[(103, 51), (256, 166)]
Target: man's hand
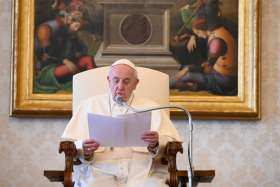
[(151, 138), (89, 146)]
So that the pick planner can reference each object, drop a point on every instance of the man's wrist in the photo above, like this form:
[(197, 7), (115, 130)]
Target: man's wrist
[(88, 157), (153, 148)]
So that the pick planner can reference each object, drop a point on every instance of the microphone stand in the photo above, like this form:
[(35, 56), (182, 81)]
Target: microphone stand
[(190, 144)]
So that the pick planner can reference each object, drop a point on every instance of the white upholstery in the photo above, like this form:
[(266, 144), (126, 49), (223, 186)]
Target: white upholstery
[(153, 84)]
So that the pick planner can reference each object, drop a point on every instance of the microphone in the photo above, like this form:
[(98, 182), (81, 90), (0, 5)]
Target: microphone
[(121, 101)]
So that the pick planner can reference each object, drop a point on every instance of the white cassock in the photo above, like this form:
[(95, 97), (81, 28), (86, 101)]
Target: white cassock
[(119, 167)]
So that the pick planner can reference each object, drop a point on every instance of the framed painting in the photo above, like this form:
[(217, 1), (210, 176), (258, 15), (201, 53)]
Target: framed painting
[(209, 48)]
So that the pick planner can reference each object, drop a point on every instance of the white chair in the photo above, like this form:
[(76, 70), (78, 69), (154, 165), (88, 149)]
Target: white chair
[(153, 84)]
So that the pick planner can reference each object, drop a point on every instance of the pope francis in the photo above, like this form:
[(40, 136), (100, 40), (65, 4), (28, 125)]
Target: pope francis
[(119, 166)]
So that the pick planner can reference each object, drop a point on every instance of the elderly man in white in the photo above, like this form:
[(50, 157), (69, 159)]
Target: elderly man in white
[(119, 166)]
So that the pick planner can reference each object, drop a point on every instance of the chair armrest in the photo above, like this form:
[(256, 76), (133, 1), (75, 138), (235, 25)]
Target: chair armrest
[(70, 151), (64, 176), (171, 150)]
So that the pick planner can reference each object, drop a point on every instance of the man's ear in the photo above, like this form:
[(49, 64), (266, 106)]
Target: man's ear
[(108, 80), (136, 83)]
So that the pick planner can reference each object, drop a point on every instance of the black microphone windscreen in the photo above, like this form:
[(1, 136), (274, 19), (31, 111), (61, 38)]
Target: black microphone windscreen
[(119, 100)]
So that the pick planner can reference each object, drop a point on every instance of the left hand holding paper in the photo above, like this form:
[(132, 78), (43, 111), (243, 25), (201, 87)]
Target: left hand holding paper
[(150, 137), (89, 146)]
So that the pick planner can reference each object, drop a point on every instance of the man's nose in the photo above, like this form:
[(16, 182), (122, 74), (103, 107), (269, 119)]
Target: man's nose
[(120, 85)]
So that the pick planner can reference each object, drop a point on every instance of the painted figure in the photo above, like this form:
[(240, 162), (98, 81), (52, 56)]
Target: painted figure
[(219, 72), (202, 20), (60, 52)]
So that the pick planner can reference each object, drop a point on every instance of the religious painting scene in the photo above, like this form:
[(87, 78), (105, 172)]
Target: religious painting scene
[(205, 45), (66, 41), (194, 41)]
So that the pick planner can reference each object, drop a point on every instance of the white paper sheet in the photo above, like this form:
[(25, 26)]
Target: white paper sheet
[(124, 130)]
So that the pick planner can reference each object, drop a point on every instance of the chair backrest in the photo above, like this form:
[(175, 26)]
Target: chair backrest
[(153, 84)]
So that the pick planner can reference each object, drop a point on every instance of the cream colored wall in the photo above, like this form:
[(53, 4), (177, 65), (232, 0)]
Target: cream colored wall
[(244, 154)]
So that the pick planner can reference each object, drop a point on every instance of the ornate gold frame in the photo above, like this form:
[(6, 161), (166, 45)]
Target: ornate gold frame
[(246, 105)]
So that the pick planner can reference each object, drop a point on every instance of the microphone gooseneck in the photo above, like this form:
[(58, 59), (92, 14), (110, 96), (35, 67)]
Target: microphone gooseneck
[(190, 124)]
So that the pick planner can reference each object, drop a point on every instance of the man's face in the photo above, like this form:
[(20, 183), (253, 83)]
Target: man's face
[(122, 81)]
